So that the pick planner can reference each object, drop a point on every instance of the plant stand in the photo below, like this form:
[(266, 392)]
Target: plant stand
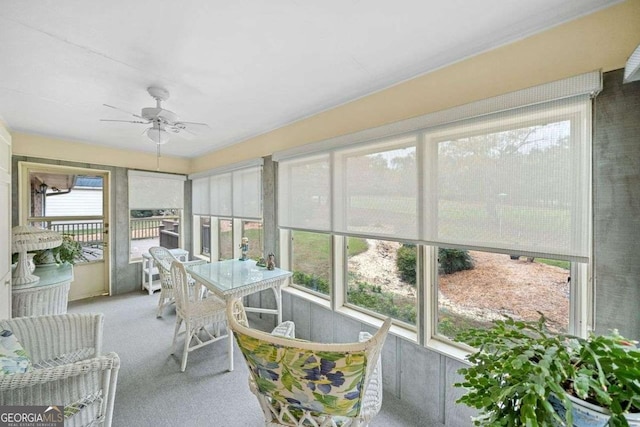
[(49, 295)]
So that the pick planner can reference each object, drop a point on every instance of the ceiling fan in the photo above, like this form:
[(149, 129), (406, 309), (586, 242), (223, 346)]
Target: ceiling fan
[(164, 123)]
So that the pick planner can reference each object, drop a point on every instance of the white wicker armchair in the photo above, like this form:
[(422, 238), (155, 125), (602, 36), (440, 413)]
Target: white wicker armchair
[(300, 383), (68, 367), (163, 259)]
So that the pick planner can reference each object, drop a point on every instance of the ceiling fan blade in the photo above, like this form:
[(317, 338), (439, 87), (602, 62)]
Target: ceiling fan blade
[(192, 128), (124, 111), (124, 121), (181, 132), (192, 124)]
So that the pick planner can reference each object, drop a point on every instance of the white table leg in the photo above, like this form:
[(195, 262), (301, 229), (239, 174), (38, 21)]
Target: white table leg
[(151, 264), (277, 291), (230, 332)]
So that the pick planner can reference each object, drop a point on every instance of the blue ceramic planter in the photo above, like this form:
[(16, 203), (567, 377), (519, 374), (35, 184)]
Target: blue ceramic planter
[(586, 414)]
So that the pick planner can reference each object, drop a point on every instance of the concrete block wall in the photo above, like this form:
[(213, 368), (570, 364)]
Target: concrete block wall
[(616, 207)]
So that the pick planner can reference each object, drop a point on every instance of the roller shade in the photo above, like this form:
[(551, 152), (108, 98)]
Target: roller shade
[(150, 190), (507, 174), (232, 191)]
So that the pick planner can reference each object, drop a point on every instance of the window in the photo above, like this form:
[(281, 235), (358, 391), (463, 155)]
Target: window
[(311, 261), (149, 228), (376, 189), (71, 204), (202, 236), (381, 277), (516, 183), (225, 239), (454, 218), (227, 205), (475, 288), (155, 209), (253, 231)]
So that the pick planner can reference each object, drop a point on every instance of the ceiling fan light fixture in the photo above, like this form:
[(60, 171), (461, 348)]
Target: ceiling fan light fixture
[(157, 135)]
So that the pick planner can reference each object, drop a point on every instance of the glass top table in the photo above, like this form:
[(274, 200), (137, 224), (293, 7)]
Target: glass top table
[(235, 279)]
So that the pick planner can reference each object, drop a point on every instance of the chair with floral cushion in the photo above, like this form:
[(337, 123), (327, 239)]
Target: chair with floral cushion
[(163, 259), (300, 383), (58, 360)]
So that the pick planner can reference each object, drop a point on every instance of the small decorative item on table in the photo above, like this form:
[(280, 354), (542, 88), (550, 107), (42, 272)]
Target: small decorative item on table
[(271, 261), (261, 262), (244, 247)]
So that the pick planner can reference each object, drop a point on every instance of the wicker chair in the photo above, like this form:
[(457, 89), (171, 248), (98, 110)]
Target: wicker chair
[(301, 383), (67, 367), (163, 259), (204, 318)]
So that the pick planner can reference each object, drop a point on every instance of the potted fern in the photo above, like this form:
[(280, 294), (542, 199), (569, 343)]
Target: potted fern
[(67, 252), (524, 375)]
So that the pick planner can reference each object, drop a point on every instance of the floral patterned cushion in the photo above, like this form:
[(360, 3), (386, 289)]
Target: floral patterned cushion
[(323, 382), (13, 358)]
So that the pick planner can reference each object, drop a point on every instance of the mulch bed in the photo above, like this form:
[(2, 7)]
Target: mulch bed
[(518, 288)]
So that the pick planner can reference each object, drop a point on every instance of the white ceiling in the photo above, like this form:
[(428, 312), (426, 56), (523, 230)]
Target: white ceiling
[(243, 67)]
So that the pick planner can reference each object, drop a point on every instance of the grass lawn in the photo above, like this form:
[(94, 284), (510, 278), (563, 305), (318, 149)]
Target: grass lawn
[(562, 264)]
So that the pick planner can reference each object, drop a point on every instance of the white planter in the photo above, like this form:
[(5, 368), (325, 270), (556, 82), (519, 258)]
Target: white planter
[(586, 414), (634, 419)]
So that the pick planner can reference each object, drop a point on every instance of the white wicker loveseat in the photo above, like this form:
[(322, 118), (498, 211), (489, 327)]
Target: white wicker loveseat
[(67, 367)]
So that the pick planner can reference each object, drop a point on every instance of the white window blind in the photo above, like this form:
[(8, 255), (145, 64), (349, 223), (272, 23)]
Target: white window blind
[(200, 196), (516, 182), (232, 191), (247, 193), (220, 195), (151, 190), (507, 174), (304, 193), (376, 189)]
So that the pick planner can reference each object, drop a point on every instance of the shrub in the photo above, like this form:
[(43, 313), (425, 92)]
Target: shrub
[(315, 283), (406, 263), (452, 260), (375, 299)]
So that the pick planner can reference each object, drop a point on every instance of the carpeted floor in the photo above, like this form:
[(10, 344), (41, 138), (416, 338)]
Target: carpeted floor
[(153, 392)]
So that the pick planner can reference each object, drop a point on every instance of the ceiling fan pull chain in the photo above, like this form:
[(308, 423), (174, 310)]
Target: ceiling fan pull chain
[(158, 157)]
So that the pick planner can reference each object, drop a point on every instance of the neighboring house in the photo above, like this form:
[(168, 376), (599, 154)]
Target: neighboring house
[(85, 198)]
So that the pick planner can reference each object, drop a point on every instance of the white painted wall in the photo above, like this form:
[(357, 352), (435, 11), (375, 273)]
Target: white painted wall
[(5, 223)]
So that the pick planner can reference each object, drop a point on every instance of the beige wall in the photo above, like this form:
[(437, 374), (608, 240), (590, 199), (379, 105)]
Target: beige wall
[(603, 40), (50, 148)]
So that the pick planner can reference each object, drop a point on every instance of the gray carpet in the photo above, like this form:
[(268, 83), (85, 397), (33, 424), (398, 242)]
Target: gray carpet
[(153, 392)]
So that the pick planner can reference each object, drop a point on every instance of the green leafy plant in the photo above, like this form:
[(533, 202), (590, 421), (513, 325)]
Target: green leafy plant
[(68, 251), (311, 282), (519, 365), (374, 298), (406, 260), (452, 260)]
